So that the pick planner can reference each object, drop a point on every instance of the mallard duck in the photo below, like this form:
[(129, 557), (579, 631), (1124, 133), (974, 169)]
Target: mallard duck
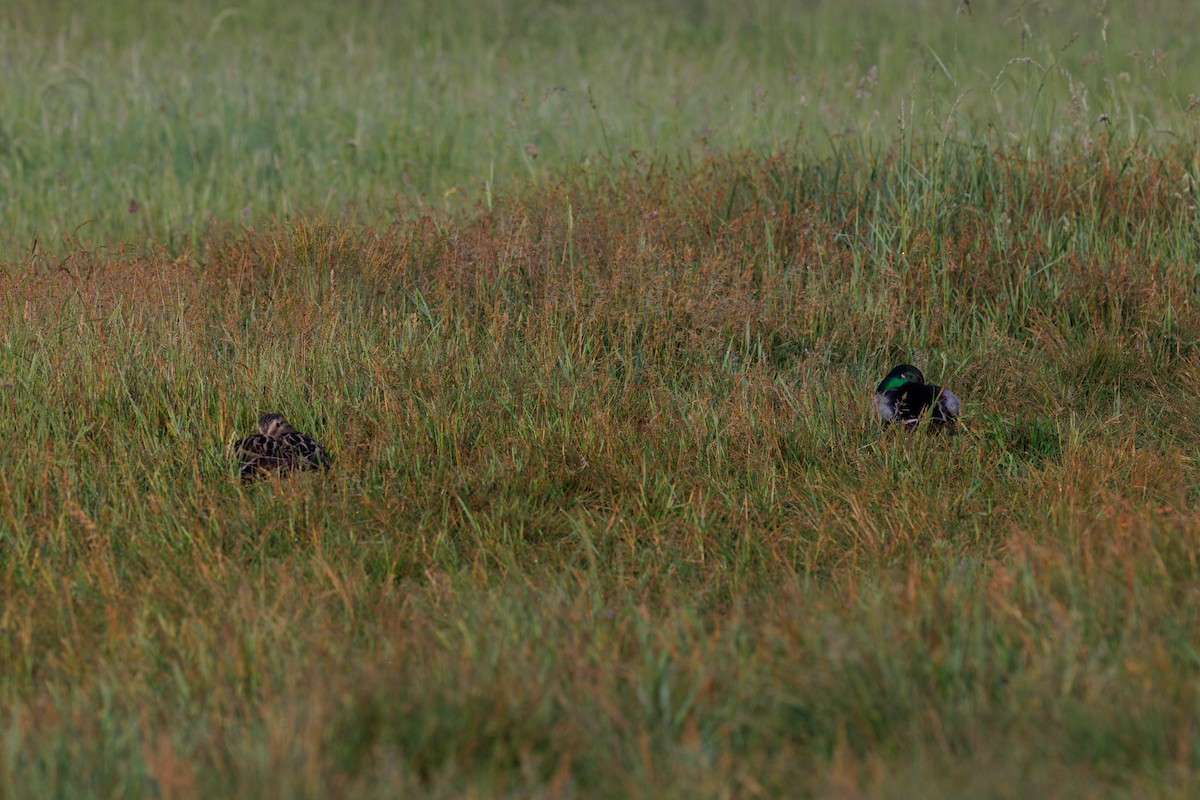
[(277, 447), (904, 397)]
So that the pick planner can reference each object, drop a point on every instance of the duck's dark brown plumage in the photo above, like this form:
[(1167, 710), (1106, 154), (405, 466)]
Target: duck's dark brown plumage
[(277, 447), (904, 398)]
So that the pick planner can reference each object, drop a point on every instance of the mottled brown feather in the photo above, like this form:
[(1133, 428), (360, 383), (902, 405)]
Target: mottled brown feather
[(278, 447)]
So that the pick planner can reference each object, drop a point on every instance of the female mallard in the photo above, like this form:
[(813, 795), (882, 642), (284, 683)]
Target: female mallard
[(904, 397), (277, 447)]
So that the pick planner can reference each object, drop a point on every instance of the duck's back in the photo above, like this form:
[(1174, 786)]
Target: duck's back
[(305, 451), (258, 454)]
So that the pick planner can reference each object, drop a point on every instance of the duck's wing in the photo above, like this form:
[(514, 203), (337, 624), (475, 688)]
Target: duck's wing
[(258, 454), (885, 405), (947, 401), (945, 407), (892, 405), (304, 451)]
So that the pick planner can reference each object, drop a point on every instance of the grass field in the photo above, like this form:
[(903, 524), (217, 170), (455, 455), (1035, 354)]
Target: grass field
[(589, 305), (243, 115)]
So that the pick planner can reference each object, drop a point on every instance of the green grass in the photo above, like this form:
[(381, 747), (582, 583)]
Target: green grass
[(241, 114), (610, 515)]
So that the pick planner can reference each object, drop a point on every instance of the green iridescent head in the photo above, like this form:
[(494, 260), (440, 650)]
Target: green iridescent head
[(905, 373)]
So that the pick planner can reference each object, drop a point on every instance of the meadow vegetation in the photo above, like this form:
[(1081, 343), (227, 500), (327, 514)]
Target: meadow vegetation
[(589, 305), (245, 114)]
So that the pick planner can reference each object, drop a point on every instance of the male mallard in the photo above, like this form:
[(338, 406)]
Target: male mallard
[(904, 397), (277, 447)]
